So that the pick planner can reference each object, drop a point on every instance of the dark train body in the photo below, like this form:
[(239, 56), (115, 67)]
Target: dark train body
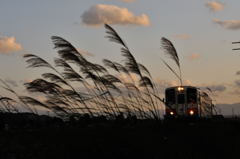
[(187, 101)]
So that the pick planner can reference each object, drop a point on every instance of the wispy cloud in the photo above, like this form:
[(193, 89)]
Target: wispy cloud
[(182, 36), (217, 88), (9, 45), (237, 83), (194, 56), (84, 52), (25, 81), (128, 1), (215, 6), (163, 84), (235, 87), (228, 24), (126, 79), (99, 14), (11, 82)]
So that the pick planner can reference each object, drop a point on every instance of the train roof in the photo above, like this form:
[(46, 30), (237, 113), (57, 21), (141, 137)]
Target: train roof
[(181, 86)]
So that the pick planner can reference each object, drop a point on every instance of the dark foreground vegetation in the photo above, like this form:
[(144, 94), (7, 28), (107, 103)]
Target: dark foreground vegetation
[(24, 136)]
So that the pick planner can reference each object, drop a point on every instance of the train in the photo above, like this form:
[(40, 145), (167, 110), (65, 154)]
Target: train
[(188, 101)]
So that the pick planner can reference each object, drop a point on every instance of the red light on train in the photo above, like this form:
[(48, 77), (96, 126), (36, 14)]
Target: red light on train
[(171, 112), (192, 111)]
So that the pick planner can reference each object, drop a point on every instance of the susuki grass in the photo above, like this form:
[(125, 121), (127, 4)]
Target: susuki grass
[(103, 92)]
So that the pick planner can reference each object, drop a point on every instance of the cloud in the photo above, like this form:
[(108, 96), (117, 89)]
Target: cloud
[(187, 83), (182, 36), (9, 45), (11, 82), (128, 1), (84, 52), (237, 83), (163, 84), (125, 78), (194, 56), (217, 88), (25, 81), (215, 6), (228, 24), (99, 14), (235, 87)]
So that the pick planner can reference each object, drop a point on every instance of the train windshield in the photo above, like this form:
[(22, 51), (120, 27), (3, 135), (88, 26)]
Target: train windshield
[(170, 96), (192, 95), (181, 99)]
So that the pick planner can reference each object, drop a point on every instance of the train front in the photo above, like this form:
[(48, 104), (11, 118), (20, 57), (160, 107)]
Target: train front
[(181, 101)]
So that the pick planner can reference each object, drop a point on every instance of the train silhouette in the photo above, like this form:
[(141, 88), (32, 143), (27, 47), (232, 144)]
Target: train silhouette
[(188, 101)]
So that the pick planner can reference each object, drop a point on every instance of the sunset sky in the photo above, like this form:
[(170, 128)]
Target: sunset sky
[(202, 32)]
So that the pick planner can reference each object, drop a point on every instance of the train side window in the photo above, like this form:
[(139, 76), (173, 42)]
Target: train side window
[(181, 99), (191, 95), (170, 96)]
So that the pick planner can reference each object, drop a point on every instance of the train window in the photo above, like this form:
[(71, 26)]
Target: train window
[(191, 95), (170, 96), (181, 99)]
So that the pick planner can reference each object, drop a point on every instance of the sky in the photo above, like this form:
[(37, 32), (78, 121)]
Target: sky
[(202, 31)]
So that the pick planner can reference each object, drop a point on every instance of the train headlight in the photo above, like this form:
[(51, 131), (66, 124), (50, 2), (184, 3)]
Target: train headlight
[(180, 89), (171, 113), (191, 112)]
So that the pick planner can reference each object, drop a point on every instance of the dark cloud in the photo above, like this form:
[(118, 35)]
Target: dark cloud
[(217, 88), (237, 83)]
